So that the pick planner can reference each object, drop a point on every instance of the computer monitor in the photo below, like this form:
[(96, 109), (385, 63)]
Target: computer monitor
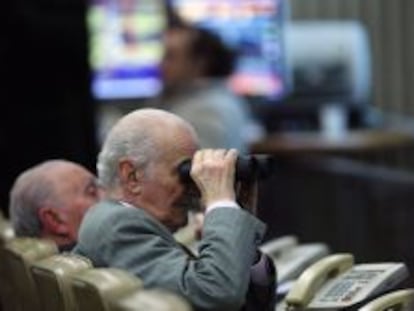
[(126, 47), (255, 29)]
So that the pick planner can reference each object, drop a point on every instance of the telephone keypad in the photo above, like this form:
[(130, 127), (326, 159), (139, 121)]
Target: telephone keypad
[(350, 285), (362, 276), (336, 292)]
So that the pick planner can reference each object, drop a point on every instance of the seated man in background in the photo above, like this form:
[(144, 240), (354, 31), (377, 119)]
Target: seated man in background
[(195, 68), (147, 202), (50, 199)]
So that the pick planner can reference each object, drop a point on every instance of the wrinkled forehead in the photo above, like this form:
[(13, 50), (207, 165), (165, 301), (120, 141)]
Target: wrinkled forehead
[(179, 142)]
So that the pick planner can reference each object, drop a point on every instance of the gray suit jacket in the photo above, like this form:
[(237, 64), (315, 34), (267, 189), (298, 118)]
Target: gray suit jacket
[(125, 237)]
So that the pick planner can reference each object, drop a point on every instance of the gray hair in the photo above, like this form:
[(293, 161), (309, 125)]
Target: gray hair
[(30, 191), (135, 136)]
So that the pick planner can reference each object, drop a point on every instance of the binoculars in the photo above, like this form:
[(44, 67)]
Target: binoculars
[(248, 167)]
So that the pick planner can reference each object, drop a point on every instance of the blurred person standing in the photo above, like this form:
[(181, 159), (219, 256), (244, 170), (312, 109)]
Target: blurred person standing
[(49, 200), (195, 67)]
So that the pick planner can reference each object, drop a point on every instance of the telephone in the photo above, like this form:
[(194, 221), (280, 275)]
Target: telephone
[(291, 258), (276, 247), (334, 282), (401, 300)]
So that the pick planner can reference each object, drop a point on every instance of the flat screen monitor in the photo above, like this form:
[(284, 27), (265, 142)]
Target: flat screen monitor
[(126, 47), (255, 29)]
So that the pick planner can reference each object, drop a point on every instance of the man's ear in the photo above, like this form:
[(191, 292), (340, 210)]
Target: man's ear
[(52, 221), (130, 176)]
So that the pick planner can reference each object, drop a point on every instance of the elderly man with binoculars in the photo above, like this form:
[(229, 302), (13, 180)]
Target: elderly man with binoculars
[(140, 165)]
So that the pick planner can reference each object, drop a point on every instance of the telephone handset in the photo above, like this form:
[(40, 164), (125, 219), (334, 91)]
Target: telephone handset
[(401, 300), (311, 280), (335, 282)]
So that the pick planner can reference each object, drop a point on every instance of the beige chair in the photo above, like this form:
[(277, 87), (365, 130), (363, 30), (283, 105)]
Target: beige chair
[(6, 235), (51, 276), (187, 235), (401, 300), (151, 300), (6, 231), (94, 288), (19, 253)]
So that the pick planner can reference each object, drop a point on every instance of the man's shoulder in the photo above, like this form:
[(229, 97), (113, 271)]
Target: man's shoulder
[(111, 219), (106, 207), (116, 215), (108, 222), (109, 211)]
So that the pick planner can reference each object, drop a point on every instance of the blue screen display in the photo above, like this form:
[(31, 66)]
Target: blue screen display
[(126, 47), (255, 29)]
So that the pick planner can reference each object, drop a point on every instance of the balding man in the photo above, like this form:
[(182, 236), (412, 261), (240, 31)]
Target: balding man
[(50, 199), (132, 230)]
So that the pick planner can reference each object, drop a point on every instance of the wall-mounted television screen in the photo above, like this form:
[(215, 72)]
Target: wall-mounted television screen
[(255, 29), (126, 47)]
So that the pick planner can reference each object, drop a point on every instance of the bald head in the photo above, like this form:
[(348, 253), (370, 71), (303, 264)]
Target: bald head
[(54, 184), (148, 121), (142, 135)]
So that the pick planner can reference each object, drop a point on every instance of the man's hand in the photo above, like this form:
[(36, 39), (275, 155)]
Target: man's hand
[(213, 171)]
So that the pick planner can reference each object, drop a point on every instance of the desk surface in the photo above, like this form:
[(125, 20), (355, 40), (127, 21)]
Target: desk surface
[(353, 141)]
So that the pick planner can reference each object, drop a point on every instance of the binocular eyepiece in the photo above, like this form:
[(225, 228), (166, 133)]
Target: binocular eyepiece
[(248, 167)]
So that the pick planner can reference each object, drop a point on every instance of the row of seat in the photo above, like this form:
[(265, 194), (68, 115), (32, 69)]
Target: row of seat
[(35, 277)]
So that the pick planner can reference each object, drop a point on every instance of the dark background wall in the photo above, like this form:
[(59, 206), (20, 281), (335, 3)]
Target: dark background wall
[(352, 206), (47, 110)]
